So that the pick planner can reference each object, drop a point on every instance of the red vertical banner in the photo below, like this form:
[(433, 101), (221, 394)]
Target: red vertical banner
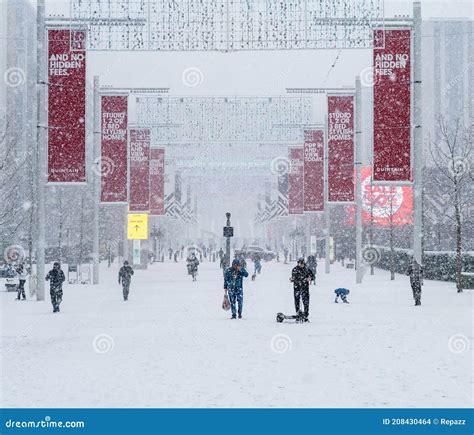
[(66, 109), (295, 181), (157, 181), (341, 148), (313, 166), (392, 112), (113, 159), (139, 169)]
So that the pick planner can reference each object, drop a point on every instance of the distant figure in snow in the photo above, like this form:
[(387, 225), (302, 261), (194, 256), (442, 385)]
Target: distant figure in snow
[(341, 293), (415, 272), (233, 286), (124, 278), (221, 253), (176, 256), (313, 266), (22, 275), (285, 253), (301, 276), (170, 252), (56, 278), (192, 265), (257, 263)]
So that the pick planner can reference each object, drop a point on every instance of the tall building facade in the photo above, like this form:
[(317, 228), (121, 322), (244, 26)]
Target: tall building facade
[(448, 73)]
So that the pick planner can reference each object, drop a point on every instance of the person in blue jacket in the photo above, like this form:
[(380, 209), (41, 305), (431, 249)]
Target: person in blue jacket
[(233, 286), (342, 293)]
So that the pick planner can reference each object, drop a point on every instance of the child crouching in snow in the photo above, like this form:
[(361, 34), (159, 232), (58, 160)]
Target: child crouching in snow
[(341, 293)]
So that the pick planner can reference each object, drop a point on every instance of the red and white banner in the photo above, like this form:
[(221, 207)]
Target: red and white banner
[(384, 205), (295, 181), (113, 161), (392, 132), (139, 169), (157, 181), (340, 148), (66, 109), (313, 151)]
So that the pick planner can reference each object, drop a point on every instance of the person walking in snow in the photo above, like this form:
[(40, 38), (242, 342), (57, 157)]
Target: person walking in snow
[(233, 287), (415, 272), (258, 264), (124, 278), (22, 275), (56, 278), (192, 265), (301, 276)]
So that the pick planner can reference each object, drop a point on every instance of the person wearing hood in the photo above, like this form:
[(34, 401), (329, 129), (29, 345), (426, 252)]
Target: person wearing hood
[(56, 278), (233, 287)]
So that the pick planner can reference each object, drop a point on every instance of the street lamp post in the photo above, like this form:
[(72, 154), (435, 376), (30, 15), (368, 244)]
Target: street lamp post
[(228, 233), (155, 234)]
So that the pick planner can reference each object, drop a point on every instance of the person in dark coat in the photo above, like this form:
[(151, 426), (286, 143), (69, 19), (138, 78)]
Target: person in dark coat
[(313, 266), (22, 275), (56, 278), (192, 265), (124, 278), (415, 272), (301, 276), (233, 286)]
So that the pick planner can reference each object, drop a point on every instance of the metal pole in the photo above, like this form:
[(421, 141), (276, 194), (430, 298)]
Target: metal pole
[(96, 180), (327, 214), (328, 239), (227, 240), (417, 136), (40, 147), (125, 234), (358, 186)]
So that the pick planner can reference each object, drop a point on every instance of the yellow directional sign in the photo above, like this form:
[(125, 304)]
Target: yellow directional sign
[(137, 226)]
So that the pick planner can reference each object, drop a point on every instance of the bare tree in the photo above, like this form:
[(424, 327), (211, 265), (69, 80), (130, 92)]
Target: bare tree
[(12, 168), (452, 155)]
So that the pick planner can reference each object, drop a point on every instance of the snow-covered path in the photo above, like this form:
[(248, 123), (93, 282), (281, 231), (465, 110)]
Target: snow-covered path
[(171, 344)]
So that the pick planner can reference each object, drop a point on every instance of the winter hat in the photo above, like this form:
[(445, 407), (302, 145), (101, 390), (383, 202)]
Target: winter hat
[(236, 262), (300, 260)]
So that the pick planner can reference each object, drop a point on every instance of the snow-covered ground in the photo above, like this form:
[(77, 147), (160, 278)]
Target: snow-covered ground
[(171, 344)]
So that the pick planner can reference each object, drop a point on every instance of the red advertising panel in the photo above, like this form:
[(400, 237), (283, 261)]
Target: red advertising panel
[(392, 144), (139, 169), (113, 159), (384, 205), (66, 109), (295, 181), (340, 148), (313, 170), (157, 181)]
